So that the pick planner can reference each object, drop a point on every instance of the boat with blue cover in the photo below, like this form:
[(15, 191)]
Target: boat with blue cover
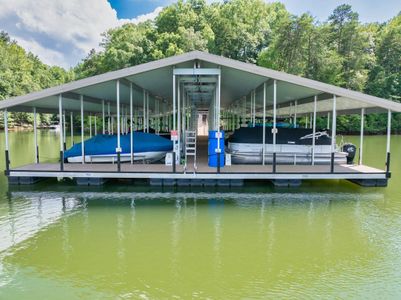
[(102, 148)]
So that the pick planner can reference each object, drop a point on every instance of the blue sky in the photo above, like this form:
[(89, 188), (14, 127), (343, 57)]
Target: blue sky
[(63, 32), (369, 10)]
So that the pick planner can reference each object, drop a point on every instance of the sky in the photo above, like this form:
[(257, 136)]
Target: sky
[(62, 32)]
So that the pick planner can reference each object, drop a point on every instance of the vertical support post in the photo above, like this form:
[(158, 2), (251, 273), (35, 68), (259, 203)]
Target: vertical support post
[(174, 101), (118, 150), (90, 125), (264, 125), (174, 162), (147, 112), (388, 143), (314, 129), (328, 120), (218, 94), (35, 135), (60, 111), (253, 107), (82, 130), (64, 132), (72, 127), (95, 125), (179, 120), (131, 98), (361, 136), (6, 142), (103, 119), (274, 124), (333, 133), (108, 118), (295, 113), (144, 112)]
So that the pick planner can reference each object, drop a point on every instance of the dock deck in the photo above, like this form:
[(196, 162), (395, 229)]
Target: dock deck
[(356, 173)]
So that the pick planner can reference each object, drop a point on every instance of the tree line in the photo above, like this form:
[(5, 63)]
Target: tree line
[(341, 50)]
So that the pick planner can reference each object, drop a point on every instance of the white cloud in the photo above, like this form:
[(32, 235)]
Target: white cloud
[(142, 18), (48, 56), (61, 32)]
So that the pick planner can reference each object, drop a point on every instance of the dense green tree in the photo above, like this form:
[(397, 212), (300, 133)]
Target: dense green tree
[(340, 51), (22, 72)]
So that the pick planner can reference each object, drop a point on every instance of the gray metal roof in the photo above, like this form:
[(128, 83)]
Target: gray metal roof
[(238, 79)]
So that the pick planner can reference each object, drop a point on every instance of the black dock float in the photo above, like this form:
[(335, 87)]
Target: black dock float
[(370, 182), (287, 182), (90, 181), (16, 180)]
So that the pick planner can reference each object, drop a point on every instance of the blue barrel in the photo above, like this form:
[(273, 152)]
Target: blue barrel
[(213, 142)]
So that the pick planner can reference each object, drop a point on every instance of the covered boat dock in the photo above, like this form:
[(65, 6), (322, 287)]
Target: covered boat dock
[(195, 93)]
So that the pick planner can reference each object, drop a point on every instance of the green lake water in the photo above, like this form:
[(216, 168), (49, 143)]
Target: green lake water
[(327, 239)]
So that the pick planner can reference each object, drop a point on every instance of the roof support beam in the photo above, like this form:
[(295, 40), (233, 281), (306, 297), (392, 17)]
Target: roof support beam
[(194, 72)]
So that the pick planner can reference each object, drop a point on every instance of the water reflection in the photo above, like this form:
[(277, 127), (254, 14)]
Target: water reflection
[(160, 245)]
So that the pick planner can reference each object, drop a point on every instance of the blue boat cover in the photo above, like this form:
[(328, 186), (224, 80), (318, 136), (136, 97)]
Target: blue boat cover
[(103, 144)]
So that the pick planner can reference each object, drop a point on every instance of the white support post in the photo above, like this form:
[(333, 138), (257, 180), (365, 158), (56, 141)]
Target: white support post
[(82, 130), (131, 97), (361, 136), (274, 124), (144, 111), (6, 129), (60, 111), (334, 125), (108, 119), (122, 120), (64, 131), (95, 125), (388, 143), (174, 103), (112, 125), (103, 119), (388, 131), (90, 125), (264, 124), (218, 98), (147, 112), (328, 120), (314, 130), (35, 134), (295, 113), (333, 133), (6, 142), (179, 119), (118, 116), (254, 108), (72, 127)]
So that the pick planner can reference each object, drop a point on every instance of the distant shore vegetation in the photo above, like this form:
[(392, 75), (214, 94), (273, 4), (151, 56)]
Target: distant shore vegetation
[(342, 51)]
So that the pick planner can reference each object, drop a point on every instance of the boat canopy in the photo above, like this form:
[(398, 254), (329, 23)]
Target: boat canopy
[(240, 83)]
